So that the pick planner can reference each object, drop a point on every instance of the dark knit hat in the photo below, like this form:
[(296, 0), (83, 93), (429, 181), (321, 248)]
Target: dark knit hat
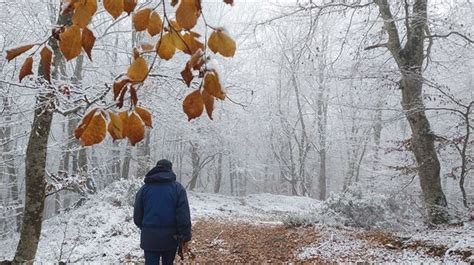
[(164, 164)]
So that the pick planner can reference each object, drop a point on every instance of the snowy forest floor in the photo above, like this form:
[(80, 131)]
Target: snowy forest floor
[(228, 229)]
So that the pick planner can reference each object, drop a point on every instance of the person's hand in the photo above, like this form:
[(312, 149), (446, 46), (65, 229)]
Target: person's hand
[(186, 247)]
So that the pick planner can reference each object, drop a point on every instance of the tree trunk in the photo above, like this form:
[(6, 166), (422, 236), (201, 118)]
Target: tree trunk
[(35, 179), (322, 128), (423, 148), (8, 159), (143, 156), (322, 175), (35, 164), (410, 62), (196, 161), (180, 157), (217, 184), (115, 160), (231, 176), (126, 163), (377, 129)]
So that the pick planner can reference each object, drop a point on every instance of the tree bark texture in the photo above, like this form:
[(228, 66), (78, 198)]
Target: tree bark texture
[(35, 164), (35, 180), (410, 61)]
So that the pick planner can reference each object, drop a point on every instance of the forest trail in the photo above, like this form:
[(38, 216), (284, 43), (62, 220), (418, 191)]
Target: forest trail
[(260, 228), (273, 243), (216, 241), (242, 242)]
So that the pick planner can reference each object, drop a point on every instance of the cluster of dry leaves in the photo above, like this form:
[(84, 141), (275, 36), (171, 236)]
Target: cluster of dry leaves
[(174, 35), (231, 243)]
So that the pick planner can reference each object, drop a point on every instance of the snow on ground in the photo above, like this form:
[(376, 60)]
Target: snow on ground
[(255, 208), (354, 245), (102, 230)]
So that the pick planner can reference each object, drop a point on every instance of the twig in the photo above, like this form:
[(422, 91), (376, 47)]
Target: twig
[(450, 33), (376, 46), (237, 103)]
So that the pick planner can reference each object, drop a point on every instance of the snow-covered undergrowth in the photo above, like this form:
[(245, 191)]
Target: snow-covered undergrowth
[(363, 209), (102, 230), (343, 216), (449, 244)]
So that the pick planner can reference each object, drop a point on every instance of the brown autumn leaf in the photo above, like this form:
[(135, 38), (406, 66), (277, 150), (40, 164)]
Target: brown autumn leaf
[(178, 40), (187, 14), (208, 100), (68, 7), (146, 47), (71, 42), (96, 131), (165, 47), (88, 41), (174, 2), (84, 123), (230, 2), (12, 53), (198, 66), (136, 129), (141, 18), (136, 53), (56, 32), (221, 42), (174, 25), (26, 68), (91, 5), (133, 95), (114, 7), (81, 17), (145, 115), (129, 6), (138, 70), (212, 85), (115, 127), (118, 86), (192, 44), (121, 97), (193, 105), (124, 117), (46, 58), (195, 58), (187, 74), (198, 5), (155, 24), (83, 12)]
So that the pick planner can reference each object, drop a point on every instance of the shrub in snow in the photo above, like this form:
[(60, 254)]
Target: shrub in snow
[(361, 208), (122, 192), (306, 219)]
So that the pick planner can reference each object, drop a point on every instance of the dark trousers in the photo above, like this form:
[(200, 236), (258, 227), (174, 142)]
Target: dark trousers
[(153, 257)]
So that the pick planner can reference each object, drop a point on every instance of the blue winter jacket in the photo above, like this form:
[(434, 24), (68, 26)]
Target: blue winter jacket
[(161, 211)]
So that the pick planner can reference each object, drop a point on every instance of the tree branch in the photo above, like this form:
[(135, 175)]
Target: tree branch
[(88, 103), (449, 34), (385, 45), (393, 43)]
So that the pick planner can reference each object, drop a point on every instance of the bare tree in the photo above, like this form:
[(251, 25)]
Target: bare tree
[(409, 59)]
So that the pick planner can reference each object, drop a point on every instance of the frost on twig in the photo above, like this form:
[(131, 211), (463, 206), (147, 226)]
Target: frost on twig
[(79, 183)]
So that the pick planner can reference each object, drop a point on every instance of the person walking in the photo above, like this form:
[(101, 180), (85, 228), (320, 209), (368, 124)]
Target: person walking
[(161, 211)]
